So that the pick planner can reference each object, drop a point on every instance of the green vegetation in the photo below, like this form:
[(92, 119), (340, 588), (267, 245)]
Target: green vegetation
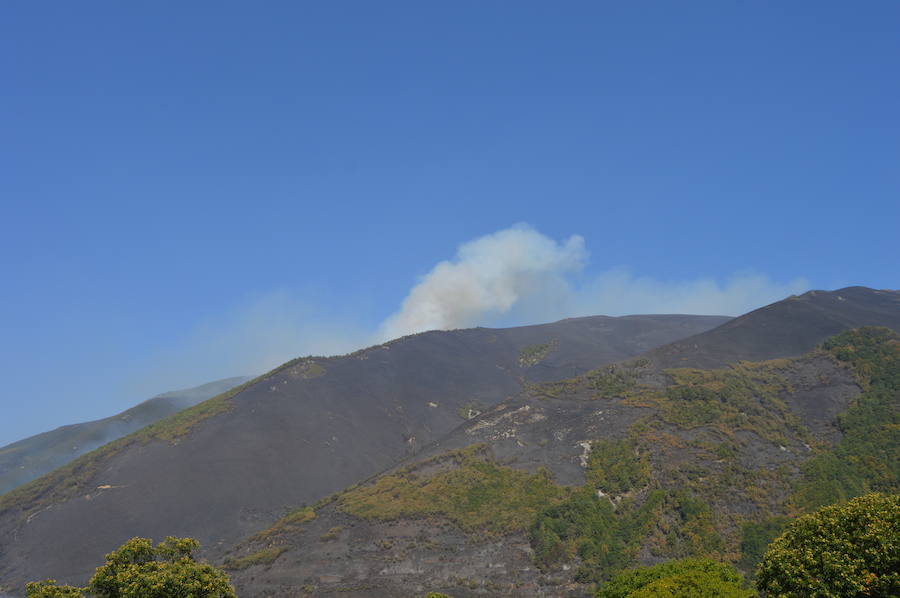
[(745, 396), (615, 468), (478, 495), (140, 570), (687, 578), (605, 535), (868, 455), (301, 367), (686, 527), (266, 556), (756, 537), (292, 522), (609, 381), (838, 551), (470, 410), (534, 354), (606, 538)]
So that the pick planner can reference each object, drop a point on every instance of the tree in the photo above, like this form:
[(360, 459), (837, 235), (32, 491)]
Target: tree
[(850, 550), (140, 570), (684, 578)]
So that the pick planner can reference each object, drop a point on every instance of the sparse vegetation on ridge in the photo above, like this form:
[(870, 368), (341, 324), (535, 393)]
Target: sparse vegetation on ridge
[(266, 556), (291, 522), (534, 354), (621, 379), (72, 479), (478, 495)]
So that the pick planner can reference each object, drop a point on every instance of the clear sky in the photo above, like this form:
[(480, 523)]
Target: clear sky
[(193, 190)]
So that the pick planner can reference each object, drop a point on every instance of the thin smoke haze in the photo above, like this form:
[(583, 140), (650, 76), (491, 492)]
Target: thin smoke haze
[(511, 277), (519, 276)]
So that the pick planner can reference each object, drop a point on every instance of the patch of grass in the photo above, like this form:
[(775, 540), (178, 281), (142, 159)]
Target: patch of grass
[(534, 354), (267, 556), (478, 495), (332, 533), (470, 410), (291, 522), (617, 380)]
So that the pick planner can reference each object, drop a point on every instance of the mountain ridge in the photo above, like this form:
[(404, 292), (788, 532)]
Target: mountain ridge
[(26, 459), (304, 430)]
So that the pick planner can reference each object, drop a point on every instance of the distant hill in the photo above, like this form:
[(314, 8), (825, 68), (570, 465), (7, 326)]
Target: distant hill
[(234, 464), (36, 455)]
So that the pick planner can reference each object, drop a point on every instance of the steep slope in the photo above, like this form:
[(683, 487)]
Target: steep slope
[(570, 481), (36, 455), (784, 329), (234, 464)]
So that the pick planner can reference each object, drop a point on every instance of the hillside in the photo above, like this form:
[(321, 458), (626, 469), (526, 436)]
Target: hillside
[(32, 457), (783, 329), (234, 464), (568, 482)]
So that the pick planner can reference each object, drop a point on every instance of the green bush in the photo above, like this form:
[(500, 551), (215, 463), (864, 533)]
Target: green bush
[(140, 570), (686, 578), (836, 552)]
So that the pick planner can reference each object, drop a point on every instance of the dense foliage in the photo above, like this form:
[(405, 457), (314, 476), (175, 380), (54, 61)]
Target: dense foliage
[(140, 570), (605, 535), (837, 552), (868, 456), (686, 578)]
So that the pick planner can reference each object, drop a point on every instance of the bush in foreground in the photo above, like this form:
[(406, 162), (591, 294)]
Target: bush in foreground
[(684, 578), (839, 551), (140, 570)]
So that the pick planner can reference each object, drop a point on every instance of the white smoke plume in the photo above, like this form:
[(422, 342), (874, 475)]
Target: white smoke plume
[(490, 276), (520, 276), (511, 277)]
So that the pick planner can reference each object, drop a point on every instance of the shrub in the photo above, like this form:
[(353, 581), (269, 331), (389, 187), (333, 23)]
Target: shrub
[(838, 551)]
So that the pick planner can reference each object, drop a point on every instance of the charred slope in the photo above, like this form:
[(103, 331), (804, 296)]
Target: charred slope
[(784, 329), (564, 484), (32, 457), (233, 464)]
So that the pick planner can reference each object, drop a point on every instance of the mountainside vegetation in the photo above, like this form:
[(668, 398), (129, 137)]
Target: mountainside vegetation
[(506, 467), (138, 569), (713, 465)]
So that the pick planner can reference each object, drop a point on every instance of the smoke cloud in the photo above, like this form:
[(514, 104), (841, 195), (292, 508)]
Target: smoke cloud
[(511, 277), (489, 277), (520, 276)]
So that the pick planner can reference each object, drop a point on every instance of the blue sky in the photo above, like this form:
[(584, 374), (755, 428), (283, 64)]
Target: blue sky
[(198, 190)]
